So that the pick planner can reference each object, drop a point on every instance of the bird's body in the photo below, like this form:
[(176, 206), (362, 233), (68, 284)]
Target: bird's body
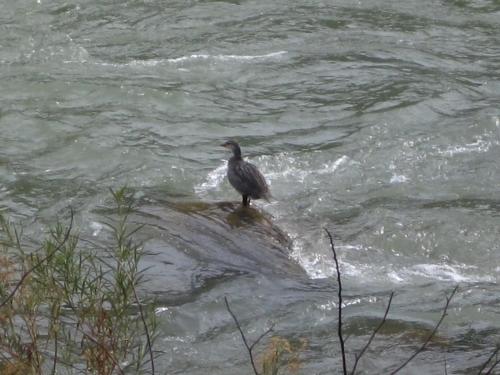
[(245, 177)]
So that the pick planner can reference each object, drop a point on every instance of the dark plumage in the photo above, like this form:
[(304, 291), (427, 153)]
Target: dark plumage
[(244, 176)]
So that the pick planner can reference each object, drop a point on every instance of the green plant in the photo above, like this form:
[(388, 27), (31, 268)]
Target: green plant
[(65, 307)]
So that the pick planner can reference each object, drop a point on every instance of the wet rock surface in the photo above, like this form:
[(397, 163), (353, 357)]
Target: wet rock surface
[(193, 246)]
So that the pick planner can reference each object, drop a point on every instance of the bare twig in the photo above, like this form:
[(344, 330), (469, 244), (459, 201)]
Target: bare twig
[(40, 262), (483, 367), (339, 325), (264, 334), (249, 347), (431, 335), (492, 367), (146, 330), (384, 319)]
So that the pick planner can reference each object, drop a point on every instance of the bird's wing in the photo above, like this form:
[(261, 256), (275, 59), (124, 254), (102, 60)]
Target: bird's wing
[(253, 180)]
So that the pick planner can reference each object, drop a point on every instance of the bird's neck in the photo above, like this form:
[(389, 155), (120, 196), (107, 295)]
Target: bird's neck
[(235, 158), (237, 152)]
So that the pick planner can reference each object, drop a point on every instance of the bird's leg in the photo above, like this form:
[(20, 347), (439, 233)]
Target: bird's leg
[(246, 201)]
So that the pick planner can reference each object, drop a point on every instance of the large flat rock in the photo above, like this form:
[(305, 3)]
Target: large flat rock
[(193, 246)]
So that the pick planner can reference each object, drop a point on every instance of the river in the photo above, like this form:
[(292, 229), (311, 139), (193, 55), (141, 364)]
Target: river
[(379, 120)]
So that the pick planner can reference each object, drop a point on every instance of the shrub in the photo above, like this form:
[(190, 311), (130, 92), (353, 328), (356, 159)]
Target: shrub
[(67, 307)]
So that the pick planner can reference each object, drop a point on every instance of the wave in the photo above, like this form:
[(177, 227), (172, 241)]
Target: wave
[(479, 146), (320, 265), (446, 272), (194, 58), (274, 168), (212, 181), (438, 272)]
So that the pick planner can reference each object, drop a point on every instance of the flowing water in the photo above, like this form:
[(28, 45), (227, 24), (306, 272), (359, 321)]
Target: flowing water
[(379, 120)]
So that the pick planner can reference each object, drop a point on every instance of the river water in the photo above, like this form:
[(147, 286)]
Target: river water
[(379, 120)]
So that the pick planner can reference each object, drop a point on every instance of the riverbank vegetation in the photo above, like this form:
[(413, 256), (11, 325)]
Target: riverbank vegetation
[(70, 307)]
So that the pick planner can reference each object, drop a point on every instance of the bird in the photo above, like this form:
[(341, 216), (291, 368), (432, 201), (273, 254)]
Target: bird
[(245, 177)]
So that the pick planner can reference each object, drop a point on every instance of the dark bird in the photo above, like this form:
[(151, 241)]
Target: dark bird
[(244, 176)]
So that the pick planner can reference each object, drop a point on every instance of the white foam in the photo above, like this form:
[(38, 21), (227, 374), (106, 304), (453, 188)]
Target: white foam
[(96, 228), (333, 166), (479, 146), (445, 272), (321, 265), (441, 272), (193, 58), (393, 276), (398, 179), (161, 310), (282, 165), (212, 181), (287, 166), (225, 57), (312, 263)]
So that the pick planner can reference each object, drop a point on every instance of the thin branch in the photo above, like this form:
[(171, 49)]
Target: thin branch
[(493, 366), (483, 367), (61, 361), (242, 336), (54, 361), (339, 326), (146, 330), (384, 319), (40, 262), (267, 331), (248, 347), (429, 338)]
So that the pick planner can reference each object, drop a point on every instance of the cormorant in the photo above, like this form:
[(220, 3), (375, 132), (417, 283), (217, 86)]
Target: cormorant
[(244, 176)]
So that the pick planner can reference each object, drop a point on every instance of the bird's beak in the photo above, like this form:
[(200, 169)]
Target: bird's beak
[(224, 145)]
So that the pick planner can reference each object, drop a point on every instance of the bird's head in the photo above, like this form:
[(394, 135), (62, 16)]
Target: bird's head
[(233, 146)]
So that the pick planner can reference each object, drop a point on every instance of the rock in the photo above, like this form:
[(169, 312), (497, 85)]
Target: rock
[(193, 246)]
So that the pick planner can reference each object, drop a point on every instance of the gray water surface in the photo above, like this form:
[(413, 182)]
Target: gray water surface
[(379, 120)]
